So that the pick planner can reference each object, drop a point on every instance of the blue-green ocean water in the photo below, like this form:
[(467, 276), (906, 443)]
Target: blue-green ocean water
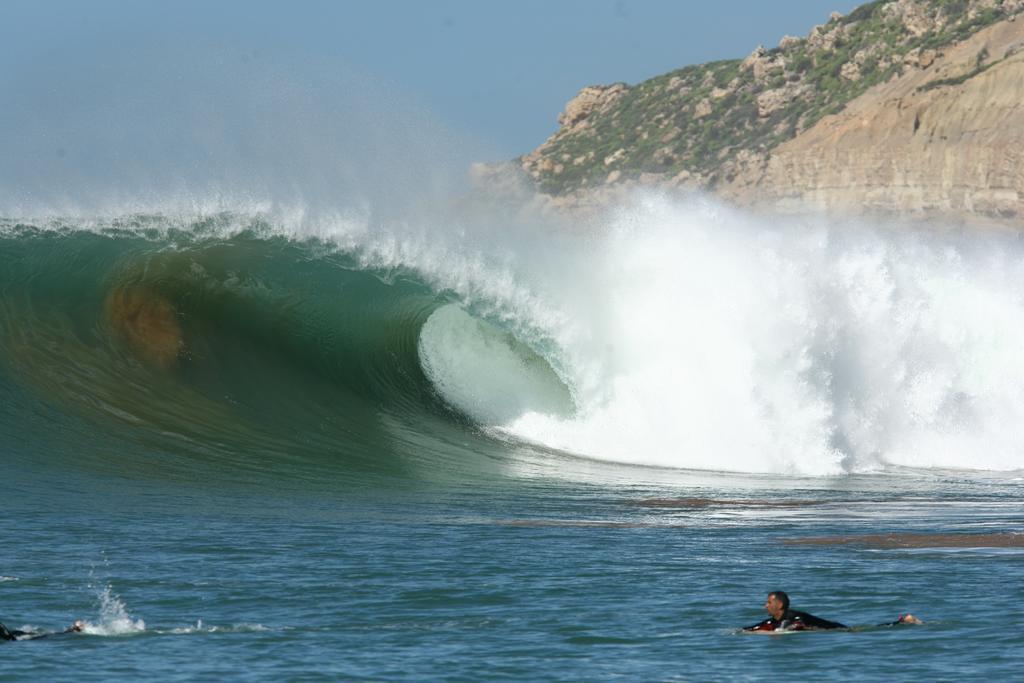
[(297, 491)]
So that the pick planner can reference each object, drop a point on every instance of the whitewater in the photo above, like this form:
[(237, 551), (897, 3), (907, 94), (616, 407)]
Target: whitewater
[(695, 336)]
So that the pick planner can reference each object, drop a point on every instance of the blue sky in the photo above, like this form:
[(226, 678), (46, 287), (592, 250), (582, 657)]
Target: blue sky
[(496, 72)]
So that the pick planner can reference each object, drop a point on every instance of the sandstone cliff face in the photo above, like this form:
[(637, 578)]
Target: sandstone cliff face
[(922, 144), (909, 107)]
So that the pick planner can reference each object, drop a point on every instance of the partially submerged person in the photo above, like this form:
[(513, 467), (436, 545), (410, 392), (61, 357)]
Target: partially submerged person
[(14, 634), (782, 618)]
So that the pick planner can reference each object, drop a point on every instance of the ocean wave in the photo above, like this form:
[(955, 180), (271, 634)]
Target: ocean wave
[(668, 334)]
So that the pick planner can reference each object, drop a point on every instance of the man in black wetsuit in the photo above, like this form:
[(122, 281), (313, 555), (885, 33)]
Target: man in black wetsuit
[(7, 634), (781, 618), (784, 619), (15, 634)]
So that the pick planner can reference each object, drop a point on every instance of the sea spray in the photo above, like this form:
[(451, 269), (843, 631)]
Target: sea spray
[(746, 344), (114, 618), (185, 124)]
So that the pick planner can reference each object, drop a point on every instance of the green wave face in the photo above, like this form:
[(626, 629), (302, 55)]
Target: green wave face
[(157, 350)]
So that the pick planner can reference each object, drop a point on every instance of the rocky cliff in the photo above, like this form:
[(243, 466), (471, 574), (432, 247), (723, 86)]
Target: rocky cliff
[(946, 140), (902, 106)]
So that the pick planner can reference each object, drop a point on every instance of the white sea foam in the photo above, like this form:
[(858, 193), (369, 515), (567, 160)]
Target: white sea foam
[(740, 344), (114, 619), (200, 627)]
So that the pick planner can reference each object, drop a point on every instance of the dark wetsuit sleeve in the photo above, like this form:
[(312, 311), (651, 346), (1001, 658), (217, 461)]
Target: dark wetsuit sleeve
[(811, 621), (8, 634)]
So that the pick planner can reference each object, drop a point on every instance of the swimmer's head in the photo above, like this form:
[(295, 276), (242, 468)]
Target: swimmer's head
[(777, 604), (78, 626)]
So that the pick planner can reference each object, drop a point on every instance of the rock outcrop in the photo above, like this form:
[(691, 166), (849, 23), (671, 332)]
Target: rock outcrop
[(946, 138), (910, 107), (578, 114)]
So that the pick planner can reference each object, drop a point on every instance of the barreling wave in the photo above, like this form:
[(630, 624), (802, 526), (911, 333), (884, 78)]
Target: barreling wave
[(668, 335), (225, 339)]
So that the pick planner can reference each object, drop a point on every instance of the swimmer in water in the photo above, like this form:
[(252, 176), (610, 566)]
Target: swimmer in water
[(782, 618), (14, 634)]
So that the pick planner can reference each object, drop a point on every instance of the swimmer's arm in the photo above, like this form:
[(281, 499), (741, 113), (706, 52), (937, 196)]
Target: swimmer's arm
[(908, 619), (811, 621)]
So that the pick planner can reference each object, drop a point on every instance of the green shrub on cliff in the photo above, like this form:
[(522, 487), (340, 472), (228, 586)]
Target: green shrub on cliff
[(699, 118)]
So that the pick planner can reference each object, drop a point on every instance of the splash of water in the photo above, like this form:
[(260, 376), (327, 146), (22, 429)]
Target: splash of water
[(114, 618)]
